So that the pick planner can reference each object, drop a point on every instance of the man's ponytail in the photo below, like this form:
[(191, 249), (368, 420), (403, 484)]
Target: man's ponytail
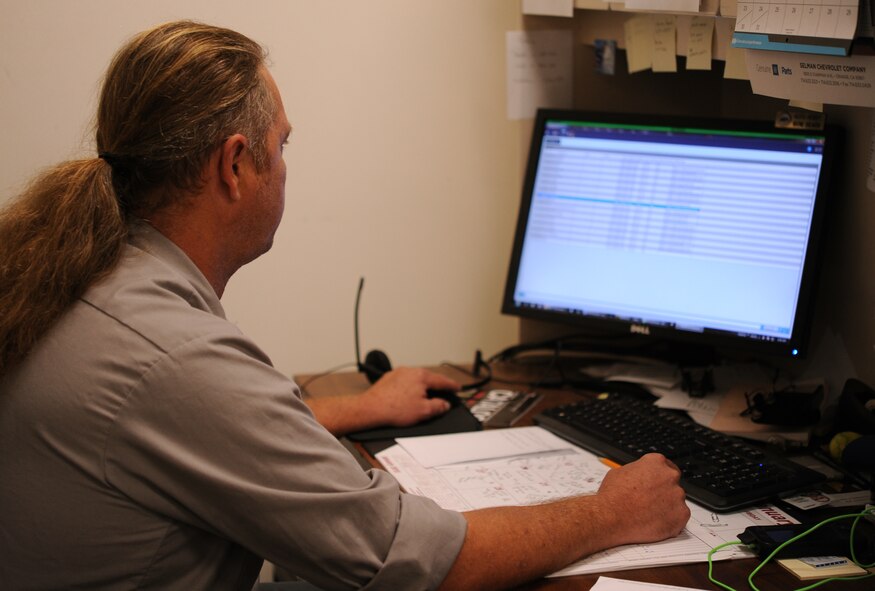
[(61, 235)]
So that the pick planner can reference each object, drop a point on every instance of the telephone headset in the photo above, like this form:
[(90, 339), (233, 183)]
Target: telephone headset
[(377, 363)]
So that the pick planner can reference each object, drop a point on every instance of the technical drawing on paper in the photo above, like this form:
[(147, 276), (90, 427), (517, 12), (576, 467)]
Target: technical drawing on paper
[(525, 480)]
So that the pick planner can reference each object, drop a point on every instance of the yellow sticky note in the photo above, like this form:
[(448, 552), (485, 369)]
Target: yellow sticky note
[(639, 43), (664, 44), (699, 45), (736, 64)]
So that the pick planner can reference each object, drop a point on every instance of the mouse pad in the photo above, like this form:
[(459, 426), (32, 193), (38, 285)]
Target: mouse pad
[(456, 420)]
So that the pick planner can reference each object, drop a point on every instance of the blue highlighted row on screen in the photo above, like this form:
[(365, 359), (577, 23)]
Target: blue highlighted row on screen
[(620, 202)]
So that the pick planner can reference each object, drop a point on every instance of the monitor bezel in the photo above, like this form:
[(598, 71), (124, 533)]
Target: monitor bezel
[(600, 327)]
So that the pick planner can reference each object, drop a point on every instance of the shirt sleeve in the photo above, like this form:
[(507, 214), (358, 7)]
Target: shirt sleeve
[(214, 437)]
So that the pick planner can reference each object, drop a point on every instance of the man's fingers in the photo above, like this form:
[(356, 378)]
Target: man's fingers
[(437, 381), (438, 406)]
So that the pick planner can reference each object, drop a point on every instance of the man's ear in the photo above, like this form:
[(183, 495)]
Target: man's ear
[(231, 157)]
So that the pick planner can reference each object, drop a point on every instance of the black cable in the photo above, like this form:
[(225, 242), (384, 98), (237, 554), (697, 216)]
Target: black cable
[(617, 345), (474, 372), (509, 353), (580, 342), (358, 298)]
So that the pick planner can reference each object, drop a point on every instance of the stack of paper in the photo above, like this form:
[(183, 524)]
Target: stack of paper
[(503, 467)]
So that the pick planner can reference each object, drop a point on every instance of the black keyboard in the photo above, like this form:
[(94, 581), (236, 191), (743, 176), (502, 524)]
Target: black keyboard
[(719, 472)]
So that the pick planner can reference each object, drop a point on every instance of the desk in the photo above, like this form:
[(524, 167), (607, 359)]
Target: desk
[(731, 572)]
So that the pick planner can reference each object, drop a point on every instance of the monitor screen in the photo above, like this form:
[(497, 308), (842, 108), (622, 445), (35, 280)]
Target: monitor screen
[(671, 228)]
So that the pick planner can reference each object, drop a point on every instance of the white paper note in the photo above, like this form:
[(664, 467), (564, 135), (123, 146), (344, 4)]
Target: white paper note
[(539, 71), (663, 5), (549, 7)]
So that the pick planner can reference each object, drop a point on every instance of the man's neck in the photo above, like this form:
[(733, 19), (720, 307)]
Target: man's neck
[(201, 243)]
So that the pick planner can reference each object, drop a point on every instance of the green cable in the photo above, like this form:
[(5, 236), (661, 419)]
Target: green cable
[(856, 516), (870, 511), (711, 564)]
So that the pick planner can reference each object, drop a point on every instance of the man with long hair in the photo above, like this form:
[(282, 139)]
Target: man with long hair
[(147, 443)]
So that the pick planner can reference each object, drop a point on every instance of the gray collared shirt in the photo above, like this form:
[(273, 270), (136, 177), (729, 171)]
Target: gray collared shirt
[(146, 443)]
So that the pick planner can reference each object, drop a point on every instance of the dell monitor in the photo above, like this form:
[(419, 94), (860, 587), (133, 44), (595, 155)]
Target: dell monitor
[(674, 229)]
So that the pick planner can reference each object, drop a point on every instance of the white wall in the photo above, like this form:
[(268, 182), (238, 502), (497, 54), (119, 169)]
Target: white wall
[(402, 167)]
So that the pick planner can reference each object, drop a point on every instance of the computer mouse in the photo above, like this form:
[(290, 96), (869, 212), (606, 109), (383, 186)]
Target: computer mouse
[(449, 395)]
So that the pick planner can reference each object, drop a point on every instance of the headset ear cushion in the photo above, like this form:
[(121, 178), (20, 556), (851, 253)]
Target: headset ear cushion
[(376, 364)]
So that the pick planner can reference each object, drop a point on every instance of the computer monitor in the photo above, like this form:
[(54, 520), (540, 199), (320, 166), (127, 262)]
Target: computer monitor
[(681, 230)]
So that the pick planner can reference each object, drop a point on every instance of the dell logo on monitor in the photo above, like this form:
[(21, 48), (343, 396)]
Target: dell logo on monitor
[(639, 329)]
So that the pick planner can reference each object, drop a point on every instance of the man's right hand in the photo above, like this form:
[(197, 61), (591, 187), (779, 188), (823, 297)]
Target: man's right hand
[(507, 546), (647, 500)]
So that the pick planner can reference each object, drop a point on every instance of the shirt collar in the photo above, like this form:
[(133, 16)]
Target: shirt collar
[(143, 236)]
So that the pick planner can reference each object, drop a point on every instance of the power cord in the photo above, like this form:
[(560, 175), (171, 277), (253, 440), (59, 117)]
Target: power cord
[(855, 516)]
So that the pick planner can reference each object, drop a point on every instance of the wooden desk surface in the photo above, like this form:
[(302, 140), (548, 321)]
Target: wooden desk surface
[(730, 572)]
